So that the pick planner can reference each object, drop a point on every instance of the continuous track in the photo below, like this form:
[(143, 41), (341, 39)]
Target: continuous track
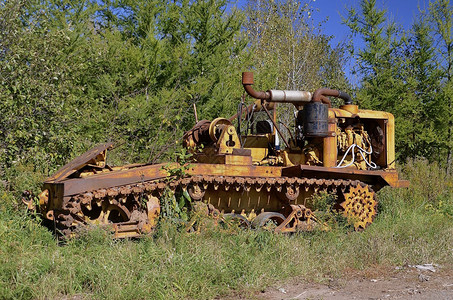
[(133, 210)]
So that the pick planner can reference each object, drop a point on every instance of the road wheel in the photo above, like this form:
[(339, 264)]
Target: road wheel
[(268, 220)]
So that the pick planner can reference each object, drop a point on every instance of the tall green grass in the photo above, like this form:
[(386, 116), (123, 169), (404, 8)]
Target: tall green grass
[(414, 226)]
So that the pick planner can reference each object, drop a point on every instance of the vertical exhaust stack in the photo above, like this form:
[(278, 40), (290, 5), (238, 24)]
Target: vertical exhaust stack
[(247, 82)]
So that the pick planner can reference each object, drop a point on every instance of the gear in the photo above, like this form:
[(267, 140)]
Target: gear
[(359, 206)]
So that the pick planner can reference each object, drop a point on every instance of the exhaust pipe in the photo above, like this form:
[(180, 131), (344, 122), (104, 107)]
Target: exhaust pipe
[(320, 95), (297, 98), (283, 96)]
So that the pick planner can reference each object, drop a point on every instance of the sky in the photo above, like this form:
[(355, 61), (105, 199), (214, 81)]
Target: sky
[(403, 12)]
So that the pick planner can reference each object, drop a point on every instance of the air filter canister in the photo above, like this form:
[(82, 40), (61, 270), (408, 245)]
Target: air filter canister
[(316, 119)]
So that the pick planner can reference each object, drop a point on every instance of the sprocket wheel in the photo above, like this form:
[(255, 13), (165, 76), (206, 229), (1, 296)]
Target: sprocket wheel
[(359, 206)]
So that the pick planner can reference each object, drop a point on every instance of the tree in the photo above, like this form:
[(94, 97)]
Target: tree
[(398, 74), (289, 49), (290, 52), (440, 18), (193, 53), (77, 73), (376, 60), (422, 79), (37, 74)]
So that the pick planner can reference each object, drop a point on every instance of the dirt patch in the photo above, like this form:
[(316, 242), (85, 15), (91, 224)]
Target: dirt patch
[(397, 283)]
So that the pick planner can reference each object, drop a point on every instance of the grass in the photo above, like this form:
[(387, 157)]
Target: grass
[(414, 226)]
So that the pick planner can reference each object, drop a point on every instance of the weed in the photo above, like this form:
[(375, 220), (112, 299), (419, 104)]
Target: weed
[(323, 201), (23, 177), (325, 209), (174, 205), (179, 170)]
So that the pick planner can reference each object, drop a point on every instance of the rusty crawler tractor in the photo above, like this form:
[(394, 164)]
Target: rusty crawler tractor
[(345, 151)]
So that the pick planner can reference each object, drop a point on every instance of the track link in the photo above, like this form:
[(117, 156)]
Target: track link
[(127, 209)]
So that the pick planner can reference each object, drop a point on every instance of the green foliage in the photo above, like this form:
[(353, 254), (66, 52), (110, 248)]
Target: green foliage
[(324, 207), (24, 177), (74, 74), (174, 206), (443, 206), (183, 158), (407, 73), (323, 201), (289, 50), (440, 18), (431, 188)]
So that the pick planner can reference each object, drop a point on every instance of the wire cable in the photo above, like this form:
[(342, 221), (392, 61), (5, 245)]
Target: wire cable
[(362, 153)]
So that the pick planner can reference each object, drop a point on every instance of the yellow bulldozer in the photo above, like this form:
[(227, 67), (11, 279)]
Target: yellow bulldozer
[(267, 175)]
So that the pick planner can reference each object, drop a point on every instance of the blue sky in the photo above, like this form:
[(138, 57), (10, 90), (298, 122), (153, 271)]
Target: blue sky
[(403, 12)]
